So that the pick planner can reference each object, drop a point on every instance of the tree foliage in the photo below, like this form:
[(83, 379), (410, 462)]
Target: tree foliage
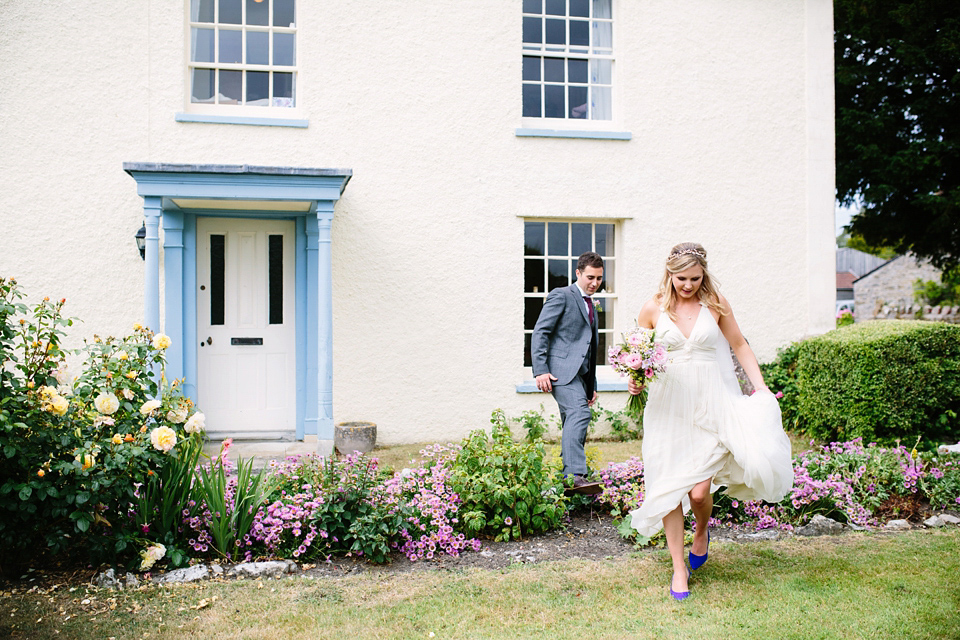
[(898, 123)]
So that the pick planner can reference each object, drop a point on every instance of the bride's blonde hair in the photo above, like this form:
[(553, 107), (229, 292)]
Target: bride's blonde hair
[(682, 257)]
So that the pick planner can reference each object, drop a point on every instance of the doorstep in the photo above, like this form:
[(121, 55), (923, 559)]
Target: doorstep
[(262, 451)]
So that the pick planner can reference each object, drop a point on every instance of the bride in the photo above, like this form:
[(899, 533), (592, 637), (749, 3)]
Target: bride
[(700, 432)]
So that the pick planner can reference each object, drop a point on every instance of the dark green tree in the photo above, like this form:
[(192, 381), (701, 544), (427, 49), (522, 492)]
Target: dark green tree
[(898, 123)]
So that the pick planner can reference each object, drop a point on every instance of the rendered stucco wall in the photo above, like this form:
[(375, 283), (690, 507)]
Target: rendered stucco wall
[(729, 103)]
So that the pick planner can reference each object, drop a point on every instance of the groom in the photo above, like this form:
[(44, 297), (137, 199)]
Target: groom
[(564, 347)]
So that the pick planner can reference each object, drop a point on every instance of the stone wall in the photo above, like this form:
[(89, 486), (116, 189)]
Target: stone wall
[(890, 285)]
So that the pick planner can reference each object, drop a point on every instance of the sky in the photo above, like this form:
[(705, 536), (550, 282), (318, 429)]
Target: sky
[(842, 216)]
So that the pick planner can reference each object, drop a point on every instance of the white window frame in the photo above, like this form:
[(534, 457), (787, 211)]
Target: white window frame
[(607, 298), (239, 109), (567, 52)]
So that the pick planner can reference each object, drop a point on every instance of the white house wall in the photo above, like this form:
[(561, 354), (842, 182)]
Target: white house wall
[(729, 103)]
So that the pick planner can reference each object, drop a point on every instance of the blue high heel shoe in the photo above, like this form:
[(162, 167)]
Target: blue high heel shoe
[(698, 561), (680, 595)]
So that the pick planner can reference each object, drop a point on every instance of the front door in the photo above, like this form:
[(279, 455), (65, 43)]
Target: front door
[(245, 324)]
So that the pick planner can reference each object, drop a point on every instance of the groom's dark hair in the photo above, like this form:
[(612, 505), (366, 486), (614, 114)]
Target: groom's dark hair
[(589, 259)]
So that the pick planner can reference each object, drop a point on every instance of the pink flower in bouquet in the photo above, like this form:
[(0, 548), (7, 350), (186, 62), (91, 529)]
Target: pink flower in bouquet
[(659, 355), (648, 373), (633, 360)]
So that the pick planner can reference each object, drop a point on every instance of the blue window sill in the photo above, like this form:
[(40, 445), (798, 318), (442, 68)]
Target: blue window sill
[(248, 120), (569, 133), (530, 386)]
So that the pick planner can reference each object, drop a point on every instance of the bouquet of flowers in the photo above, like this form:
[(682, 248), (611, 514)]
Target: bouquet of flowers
[(641, 357)]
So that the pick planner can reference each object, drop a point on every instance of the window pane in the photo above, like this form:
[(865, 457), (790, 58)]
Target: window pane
[(604, 245), (283, 90), (533, 238), (283, 49), (231, 46), (554, 103), (581, 242), (201, 10), (531, 311), (577, 71), (527, 357), (553, 69), (604, 314), (201, 45), (557, 7), (608, 272), (577, 102), (257, 12), (556, 31), (531, 68), (258, 88), (533, 30), (258, 47), (532, 6), (557, 237), (601, 348), (275, 278), (601, 9), (283, 13), (600, 72), (579, 33), (202, 85), (601, 104), (602, 37), (231, 87), (531, 101), (217, 260), (533, 275), (558, 276), (231, 12), (580, 8)]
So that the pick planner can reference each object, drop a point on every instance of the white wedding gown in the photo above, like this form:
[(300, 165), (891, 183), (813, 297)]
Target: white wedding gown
[(698, 425)]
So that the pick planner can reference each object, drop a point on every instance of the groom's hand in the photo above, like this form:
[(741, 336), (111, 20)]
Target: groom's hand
[(592, 400), (545, 382), (633, 387)]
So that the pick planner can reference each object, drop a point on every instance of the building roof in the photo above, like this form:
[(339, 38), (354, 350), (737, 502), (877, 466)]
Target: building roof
[(845, 280)]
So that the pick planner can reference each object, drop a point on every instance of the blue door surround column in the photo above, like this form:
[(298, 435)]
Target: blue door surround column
[(175, 195)]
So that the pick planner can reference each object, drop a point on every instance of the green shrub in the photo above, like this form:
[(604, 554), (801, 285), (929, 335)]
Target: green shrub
[(781, 377), (74, 449), (507, 489), (882, 381)]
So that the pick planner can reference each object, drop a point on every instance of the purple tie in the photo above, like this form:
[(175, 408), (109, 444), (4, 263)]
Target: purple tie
[(589, 308)]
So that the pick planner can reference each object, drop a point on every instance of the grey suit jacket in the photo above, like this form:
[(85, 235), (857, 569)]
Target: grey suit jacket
[(562, 336)]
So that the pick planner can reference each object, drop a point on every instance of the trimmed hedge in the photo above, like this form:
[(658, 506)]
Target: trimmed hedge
[(883, 381)]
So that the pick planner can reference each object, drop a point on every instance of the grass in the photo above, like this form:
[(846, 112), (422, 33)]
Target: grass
[(854, 586)]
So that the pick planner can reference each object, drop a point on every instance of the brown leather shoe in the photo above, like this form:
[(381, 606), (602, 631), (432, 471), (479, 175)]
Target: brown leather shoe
[(583, 486)]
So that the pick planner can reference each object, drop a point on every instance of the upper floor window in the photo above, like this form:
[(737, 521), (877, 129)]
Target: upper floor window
[(243, 52), (568, 59)]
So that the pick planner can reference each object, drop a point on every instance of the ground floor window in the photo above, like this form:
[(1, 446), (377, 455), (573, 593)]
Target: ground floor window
[(550, 252)]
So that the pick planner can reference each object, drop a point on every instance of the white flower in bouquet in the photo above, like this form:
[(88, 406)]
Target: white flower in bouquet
[(195, 423), (149, 407), (106, 403), (163, 439)]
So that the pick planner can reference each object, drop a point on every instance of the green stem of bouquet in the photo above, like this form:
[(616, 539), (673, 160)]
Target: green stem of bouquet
[(635, 405)]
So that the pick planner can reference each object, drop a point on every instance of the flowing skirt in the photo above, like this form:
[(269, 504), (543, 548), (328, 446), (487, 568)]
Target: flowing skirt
[(696, 428)]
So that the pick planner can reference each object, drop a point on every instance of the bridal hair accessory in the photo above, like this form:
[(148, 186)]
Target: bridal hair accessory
[(684, 252)]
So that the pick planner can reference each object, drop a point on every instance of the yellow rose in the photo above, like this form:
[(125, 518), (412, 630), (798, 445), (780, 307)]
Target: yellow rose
[(59, 406), (161, 341), (149, 407), (86, 460), (121, 355), (163, 439), (106, 403), (131, 374), (41, 473), (117, 439), (137, 326)]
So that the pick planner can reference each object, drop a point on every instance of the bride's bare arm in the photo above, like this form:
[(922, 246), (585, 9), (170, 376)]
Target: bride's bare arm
[(731, 331)]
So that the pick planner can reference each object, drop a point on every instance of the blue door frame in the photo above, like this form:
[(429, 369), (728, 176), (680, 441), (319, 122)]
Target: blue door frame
[(175, 195)]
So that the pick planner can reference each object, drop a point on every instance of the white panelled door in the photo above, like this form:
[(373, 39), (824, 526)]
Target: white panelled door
[(246, 358)]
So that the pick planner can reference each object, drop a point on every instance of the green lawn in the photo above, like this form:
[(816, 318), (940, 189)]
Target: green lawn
[(853, 586)]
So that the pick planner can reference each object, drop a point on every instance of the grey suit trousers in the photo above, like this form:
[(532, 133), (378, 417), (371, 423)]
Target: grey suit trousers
[(575, 414)]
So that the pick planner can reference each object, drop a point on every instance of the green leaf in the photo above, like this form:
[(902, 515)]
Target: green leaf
[(25, 493), (83, 525), (10, 450)]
